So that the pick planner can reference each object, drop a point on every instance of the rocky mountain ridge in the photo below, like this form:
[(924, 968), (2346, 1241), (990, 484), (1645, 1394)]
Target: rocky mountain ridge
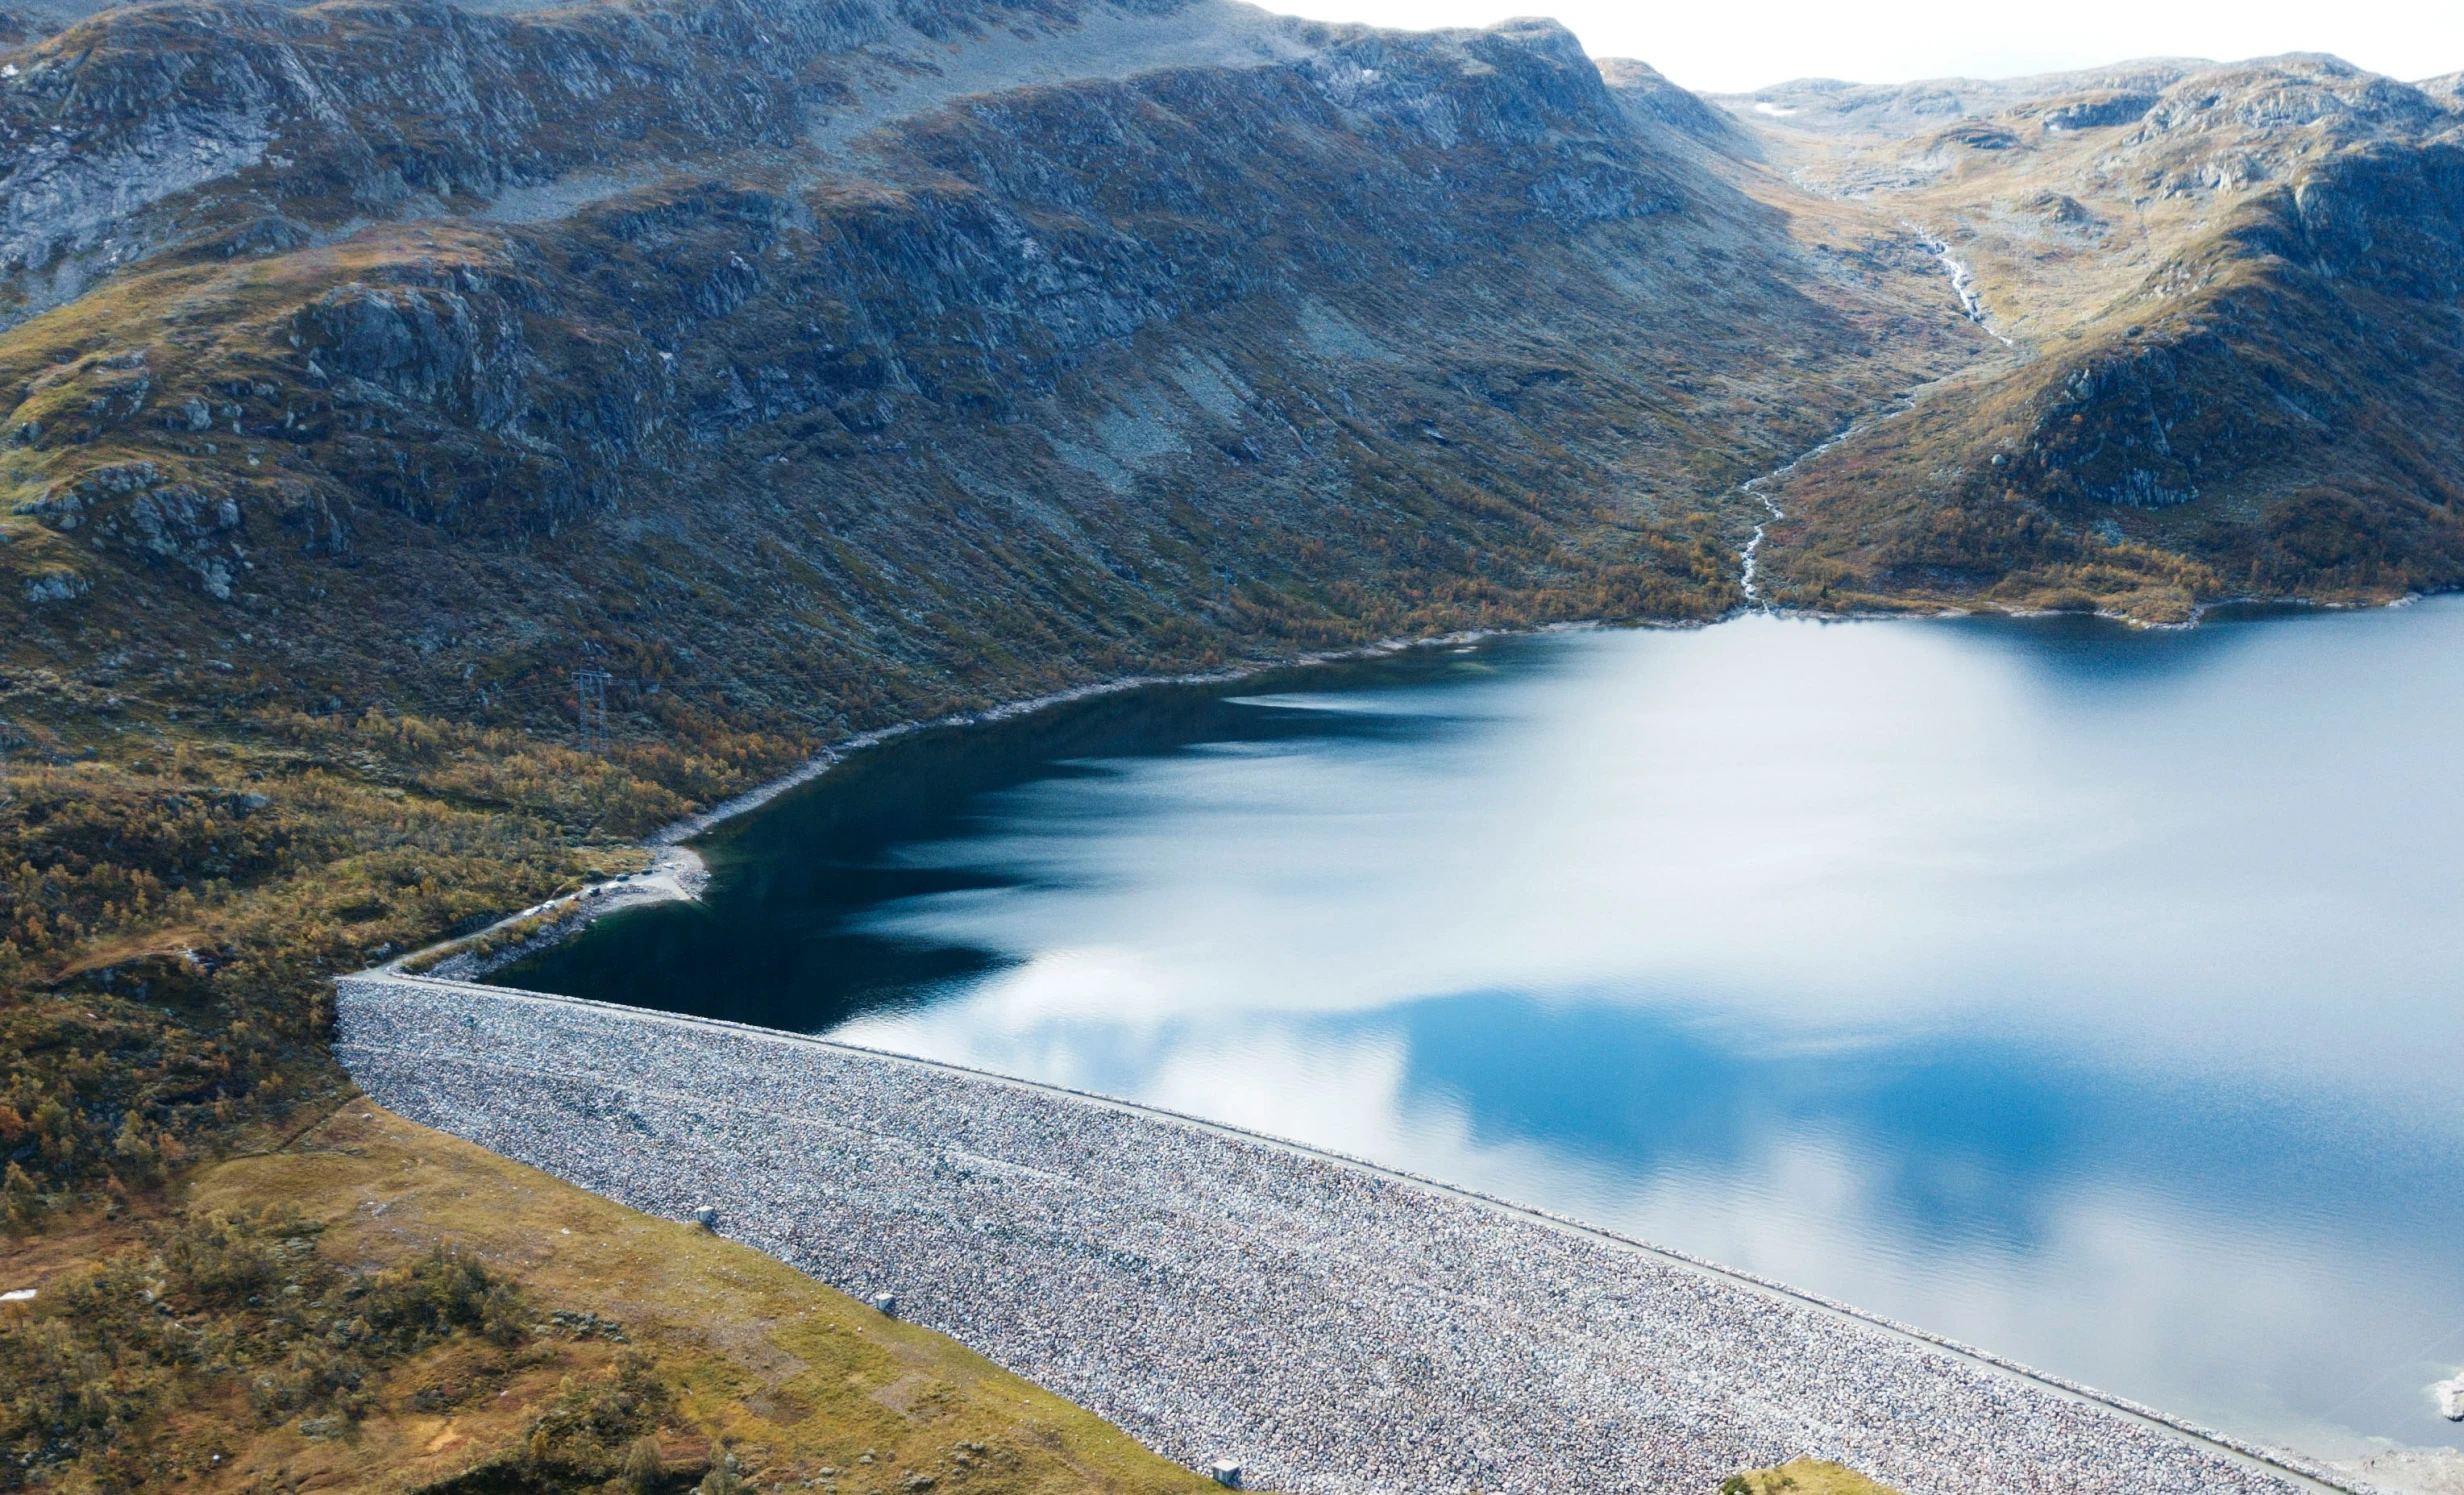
[(390, 383), (1338, 343), (306, 295), (385, 383), (311, 121), (507, 271), (2235, 291)]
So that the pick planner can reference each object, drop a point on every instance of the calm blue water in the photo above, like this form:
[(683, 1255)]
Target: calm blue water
[(2092, 995)]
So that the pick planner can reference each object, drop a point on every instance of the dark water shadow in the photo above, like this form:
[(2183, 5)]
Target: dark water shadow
[(776, 940)]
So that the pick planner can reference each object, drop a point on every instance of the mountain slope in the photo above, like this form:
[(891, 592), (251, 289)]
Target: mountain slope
[(378, 374), (382, 377), (2235, 305), (1405, 334)]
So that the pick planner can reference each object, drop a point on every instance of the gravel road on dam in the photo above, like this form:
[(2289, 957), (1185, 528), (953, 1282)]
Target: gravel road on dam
[(1333, 1327)]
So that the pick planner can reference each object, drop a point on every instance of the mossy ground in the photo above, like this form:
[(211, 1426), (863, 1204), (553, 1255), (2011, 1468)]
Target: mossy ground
[(1803, 1477), (638, 1329)]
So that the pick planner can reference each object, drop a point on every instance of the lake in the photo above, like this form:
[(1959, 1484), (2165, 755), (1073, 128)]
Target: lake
[(2090, 994)]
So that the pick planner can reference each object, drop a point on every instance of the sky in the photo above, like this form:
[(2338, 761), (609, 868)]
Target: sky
[(1733, 46)]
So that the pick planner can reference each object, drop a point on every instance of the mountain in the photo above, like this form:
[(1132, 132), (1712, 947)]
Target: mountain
[(808, 389), (384, 379), (2231, 297), (1880, 113)]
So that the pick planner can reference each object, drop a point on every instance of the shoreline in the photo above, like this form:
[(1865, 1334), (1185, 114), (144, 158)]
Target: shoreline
[(677, 873)]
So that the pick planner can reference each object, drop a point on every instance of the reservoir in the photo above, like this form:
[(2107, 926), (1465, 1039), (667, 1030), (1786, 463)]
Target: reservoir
[(2089, 994)]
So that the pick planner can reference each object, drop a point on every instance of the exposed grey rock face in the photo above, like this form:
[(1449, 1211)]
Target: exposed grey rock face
[(1827, 106), (455, 347), (2391, 220), (55, 585), (2099, 109), (317, 117), (2299, 92), (1660, 107), (166, 520), (2227, 129), (1143, 333)]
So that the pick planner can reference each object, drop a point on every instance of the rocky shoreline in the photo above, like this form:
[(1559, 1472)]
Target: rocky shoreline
[(1334, 1327), (677, 873)]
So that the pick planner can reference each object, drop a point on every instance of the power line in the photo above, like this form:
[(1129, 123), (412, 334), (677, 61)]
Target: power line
[(590, 696)]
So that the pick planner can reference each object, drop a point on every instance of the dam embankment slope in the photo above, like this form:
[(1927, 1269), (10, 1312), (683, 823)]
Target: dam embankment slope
[(1334, 1327)]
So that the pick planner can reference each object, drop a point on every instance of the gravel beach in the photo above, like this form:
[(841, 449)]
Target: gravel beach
[(1333, 1327)]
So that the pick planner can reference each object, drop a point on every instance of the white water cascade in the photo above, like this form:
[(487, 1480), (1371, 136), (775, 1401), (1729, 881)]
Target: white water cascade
[(1963, 280), (1748, 558), (1963, 285)]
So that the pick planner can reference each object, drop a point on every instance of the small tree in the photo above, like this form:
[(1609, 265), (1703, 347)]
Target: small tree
[(21, 1203), (645, 1473)]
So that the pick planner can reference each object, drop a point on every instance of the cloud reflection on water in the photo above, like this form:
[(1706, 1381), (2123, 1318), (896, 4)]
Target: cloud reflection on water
[(1962, 1191), (1865, 832), (2097, 1011), (2084, 993)]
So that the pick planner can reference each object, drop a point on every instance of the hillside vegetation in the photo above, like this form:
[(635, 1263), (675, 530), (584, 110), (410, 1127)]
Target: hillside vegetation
[(2233, 295), (375, 371), (375, 1306), (1803, 1477)]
